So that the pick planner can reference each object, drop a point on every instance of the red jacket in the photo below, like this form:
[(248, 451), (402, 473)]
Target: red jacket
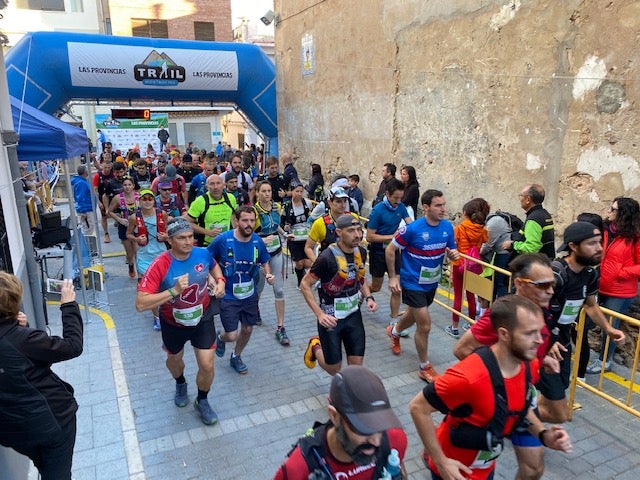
[(620, 267)]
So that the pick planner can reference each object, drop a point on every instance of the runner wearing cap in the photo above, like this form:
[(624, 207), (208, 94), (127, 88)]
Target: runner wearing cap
[(323, 229), (147, 228), (177, 281), (362, 438), (340, 270)]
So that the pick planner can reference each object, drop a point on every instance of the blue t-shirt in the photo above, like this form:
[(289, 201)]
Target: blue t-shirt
[(385, 220), (239, 262), (423, 249)]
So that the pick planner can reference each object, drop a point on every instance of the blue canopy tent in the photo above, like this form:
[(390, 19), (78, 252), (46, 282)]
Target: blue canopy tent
[(44, 137)]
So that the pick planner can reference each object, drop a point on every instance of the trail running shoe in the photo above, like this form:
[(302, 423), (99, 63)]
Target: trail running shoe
[(132, 272), (395, 341), (454, 332), (220, 346), (182, 398), (309, 356), (238, 365), (281, 336), (207, 415), (428, 373)]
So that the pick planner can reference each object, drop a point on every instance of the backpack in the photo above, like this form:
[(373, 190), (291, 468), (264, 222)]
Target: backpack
[(330, 236), (318, 194), (514, 222), (199, 237), (489, 438), (315, 456)]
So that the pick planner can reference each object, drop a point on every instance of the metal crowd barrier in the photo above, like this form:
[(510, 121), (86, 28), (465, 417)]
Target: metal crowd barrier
[(621, 383), (478, 284)]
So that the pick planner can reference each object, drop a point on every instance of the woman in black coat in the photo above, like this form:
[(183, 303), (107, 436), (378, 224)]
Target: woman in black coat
[(315, 189), (37, 408), (411, 188)]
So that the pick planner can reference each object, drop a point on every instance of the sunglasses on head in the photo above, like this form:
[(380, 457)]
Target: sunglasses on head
[(541, 284)]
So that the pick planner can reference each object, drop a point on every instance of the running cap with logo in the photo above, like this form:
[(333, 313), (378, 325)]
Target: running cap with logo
[(178, 225), (337, 192), (359, 395), (577, 232), (144, 192), (341, 182), (230, 175)]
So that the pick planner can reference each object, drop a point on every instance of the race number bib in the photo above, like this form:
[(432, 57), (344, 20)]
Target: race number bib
[(345, 306), (189, 317), (274, 244), (429, 275), (570, 311), (300, 232), (242, 290)]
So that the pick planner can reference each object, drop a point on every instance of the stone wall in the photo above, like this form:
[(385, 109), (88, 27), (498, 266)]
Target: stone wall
[(481, 97)]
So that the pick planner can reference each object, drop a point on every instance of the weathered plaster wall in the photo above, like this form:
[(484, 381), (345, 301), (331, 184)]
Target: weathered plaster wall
[(481, 97)]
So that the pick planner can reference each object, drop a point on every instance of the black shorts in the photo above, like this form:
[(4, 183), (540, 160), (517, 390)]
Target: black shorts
[(233, 312), (418, 298), (296, 250), (202, 336), (378, 263), (349, 331), (554, 385), (122, 232)]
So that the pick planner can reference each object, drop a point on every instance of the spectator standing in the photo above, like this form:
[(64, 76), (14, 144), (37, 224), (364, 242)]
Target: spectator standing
[(354, 191), (538, 232), (620, 267), (388, 172), (163, 136), (411, 195), (37, 408), (82, 200), (315, 188)]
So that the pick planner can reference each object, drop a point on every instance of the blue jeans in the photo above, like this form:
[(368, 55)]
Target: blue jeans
[(617, 304)]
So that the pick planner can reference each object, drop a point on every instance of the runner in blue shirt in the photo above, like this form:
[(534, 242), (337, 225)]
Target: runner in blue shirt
[(241, 253), (424, 244)]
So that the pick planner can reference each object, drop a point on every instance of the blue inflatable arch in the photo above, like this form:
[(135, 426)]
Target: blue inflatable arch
[(49, 69)]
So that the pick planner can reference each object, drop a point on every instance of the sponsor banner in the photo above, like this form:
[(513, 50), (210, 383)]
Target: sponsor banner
[(127, 133), (123, 66)]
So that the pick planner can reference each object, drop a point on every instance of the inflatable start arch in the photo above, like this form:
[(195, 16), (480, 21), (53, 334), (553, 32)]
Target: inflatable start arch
[(49, 69)]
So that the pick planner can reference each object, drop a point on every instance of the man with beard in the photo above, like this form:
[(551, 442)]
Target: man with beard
[(340, 269), (469, 439), (244, 179), (577, 283), (240, 253), (359, 437)]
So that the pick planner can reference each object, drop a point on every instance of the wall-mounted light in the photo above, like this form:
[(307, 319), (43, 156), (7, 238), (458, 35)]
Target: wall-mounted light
[(268, 17)]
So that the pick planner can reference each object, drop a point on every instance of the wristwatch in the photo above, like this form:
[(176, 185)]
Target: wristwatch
[(370, 297)]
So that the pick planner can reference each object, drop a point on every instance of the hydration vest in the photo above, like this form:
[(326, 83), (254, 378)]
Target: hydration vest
[(336, 286)]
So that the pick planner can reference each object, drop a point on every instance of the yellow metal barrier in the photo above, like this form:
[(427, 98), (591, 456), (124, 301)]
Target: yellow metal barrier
[(629, 384), (475, 283)]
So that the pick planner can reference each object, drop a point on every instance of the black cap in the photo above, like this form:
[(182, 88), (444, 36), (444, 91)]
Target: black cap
[(577, 232), (359, 395)]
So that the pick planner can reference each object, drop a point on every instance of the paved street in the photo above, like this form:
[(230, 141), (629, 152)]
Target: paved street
[(128, 426)]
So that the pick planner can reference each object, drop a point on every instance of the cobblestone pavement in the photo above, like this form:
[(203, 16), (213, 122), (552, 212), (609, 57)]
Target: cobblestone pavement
[(128, 426)]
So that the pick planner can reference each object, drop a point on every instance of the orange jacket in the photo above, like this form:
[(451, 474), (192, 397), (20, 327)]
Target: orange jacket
[(469, 234)]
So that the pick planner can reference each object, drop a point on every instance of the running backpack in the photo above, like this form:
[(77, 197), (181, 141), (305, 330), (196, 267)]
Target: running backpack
[(514, 222), (199, 237)]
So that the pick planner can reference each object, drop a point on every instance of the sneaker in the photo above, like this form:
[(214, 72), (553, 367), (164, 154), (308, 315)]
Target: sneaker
[(428, 373), (156, 323), (309, 356), (595, 366), (395, 341), (207, 415), (281, 336), (220, 346), (404, 333), (238, 365), (132, 272), (181, 399), (466, 326), (107, 239), (454, 332)]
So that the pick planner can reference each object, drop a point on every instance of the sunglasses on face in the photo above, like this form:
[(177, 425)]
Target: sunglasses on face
[(165, 189), (541, 284)]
